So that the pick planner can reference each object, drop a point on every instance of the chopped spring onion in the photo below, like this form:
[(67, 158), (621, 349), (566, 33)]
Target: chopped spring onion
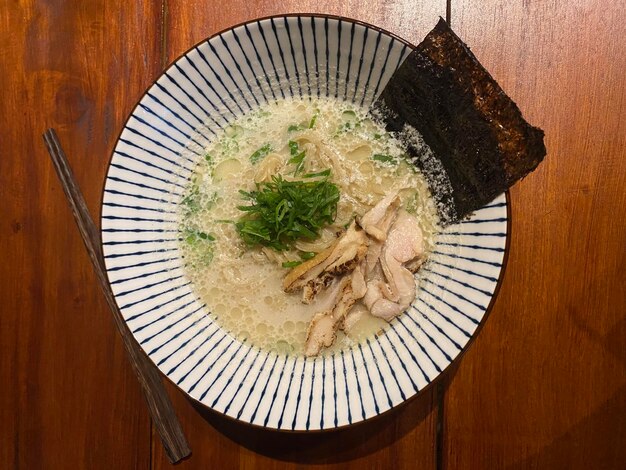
[(305, 255), (380, 157), (291, 264), (260, 154), (282, 212), (297, 157)]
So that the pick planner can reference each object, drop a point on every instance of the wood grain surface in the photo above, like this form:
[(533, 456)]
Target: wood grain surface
[(68, 398), (543, 385)]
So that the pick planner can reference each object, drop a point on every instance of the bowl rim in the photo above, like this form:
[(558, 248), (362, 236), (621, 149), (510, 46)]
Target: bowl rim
[(446, 370)]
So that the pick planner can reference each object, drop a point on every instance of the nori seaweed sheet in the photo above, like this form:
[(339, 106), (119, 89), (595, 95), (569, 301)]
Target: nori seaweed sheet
[(472, 127)]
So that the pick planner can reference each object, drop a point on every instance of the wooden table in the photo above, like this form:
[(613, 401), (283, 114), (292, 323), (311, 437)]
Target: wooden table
[(543, 385)]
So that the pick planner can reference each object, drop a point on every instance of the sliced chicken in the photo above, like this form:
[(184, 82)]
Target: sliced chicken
[(359, 287), (404, 289), (340, 258), (374, 293), (404, 244), (321, 333), (323, 328), (405, 241), (374, 262), (356, 314), (310, 269), (327, 299), (377, 220)]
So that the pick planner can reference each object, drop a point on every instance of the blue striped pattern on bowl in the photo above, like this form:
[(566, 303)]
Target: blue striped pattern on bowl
[(201, 93)]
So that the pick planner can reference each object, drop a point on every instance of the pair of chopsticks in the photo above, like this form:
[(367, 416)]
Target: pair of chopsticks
[(158, 401)]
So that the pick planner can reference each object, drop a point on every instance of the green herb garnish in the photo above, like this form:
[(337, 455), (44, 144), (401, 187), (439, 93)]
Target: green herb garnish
[(260, 154), (305, 255), (345, 127), (294, 149), (191, 201), (285, 211), (301, 127), (193, 236), (201, 245), (297, 157), (350, 122), (381, 157), (324, 173), (291, 264)]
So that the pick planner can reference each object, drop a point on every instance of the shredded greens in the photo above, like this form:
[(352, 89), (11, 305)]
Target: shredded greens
[(260, 154), (191, 202), (291, 264), (301, 127), (193, 236), (201, 243), (297, 157), (282, 212), (384, 158)]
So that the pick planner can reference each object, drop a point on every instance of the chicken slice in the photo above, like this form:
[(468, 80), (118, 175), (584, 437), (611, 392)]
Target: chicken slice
[(299, 275), (377, 220), (321, 333), (404, 244), (374, 293), (324, 325), (359, 323), (340, 258), (405, 241), (345, 291), (359, 287), (405, 290), (355, 315), (378, 223), (378, 269)]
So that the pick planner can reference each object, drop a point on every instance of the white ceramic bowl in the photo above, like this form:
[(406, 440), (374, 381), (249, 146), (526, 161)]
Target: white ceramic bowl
[(203, 91)]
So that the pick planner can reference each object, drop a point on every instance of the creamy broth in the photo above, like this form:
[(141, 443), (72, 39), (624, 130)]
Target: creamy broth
[(242, 286)]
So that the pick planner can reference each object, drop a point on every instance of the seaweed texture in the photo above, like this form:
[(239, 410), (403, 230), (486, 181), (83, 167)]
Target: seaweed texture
[(473, 128)]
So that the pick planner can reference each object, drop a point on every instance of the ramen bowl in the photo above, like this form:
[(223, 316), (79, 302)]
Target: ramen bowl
[(201, 93)]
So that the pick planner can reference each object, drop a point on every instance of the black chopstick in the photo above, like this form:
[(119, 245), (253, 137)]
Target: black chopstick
[(159, 404)]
